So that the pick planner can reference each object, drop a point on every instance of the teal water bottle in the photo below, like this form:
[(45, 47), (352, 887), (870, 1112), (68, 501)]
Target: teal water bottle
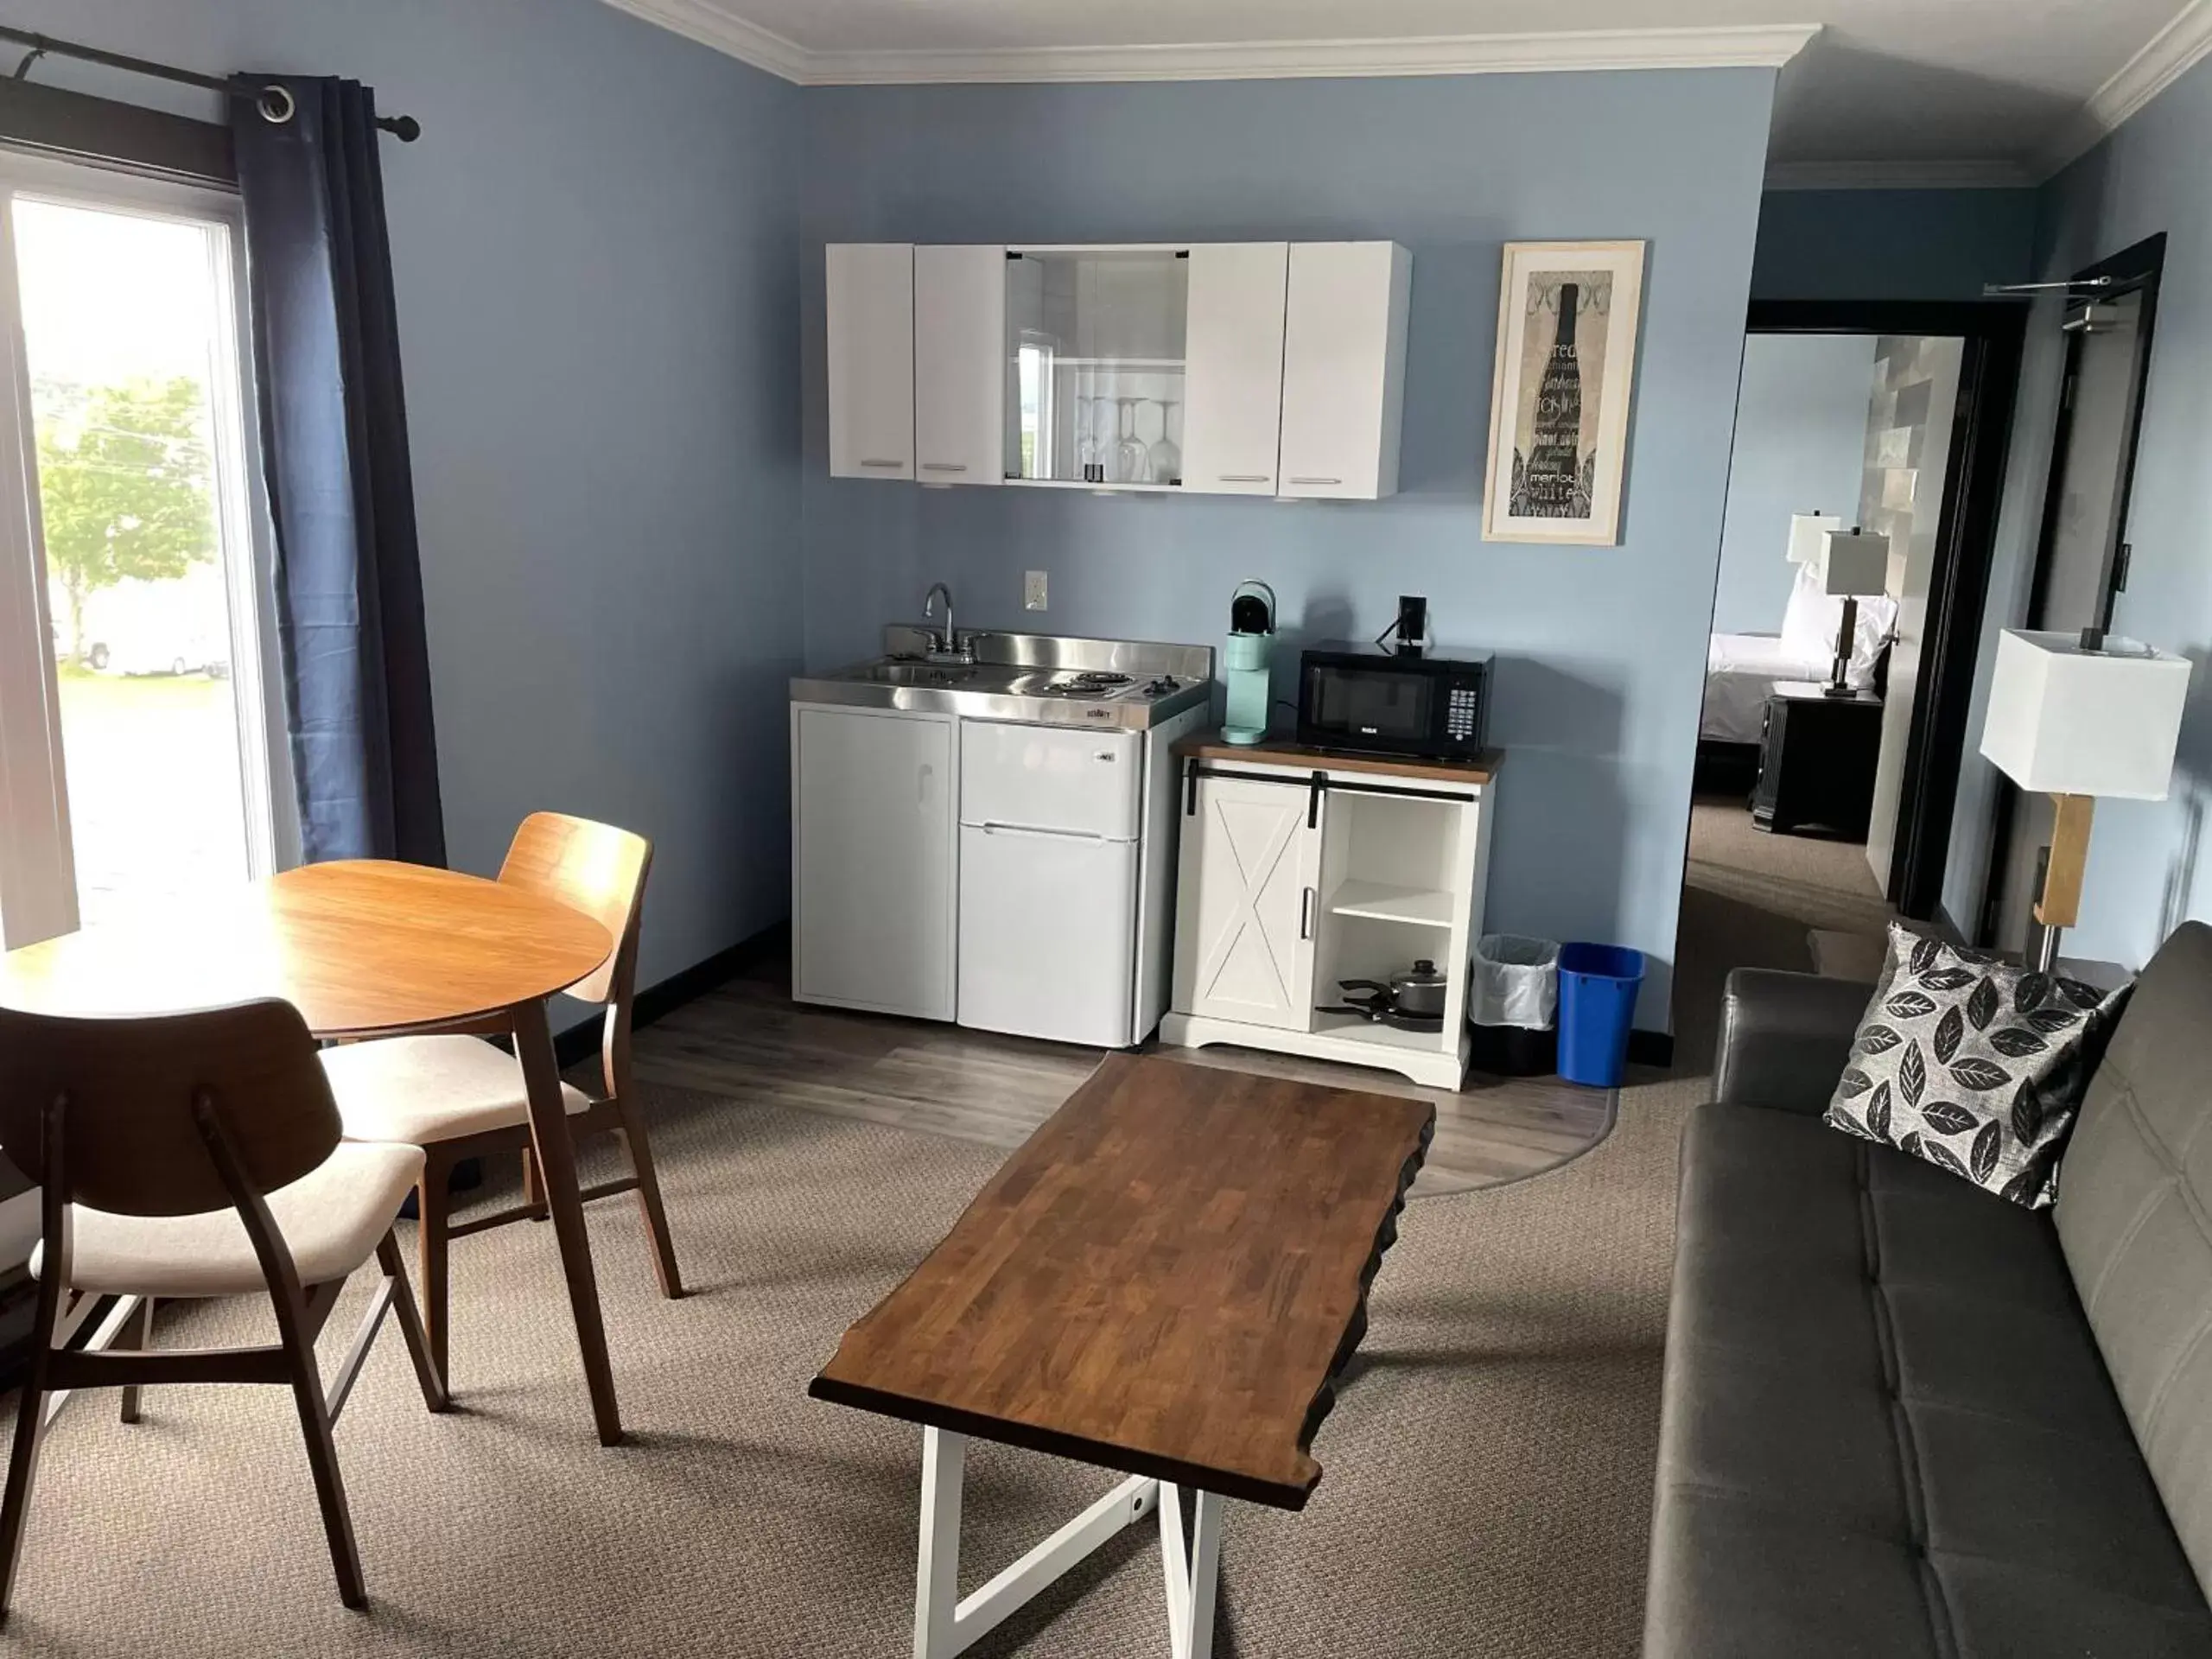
[(1244, 661)]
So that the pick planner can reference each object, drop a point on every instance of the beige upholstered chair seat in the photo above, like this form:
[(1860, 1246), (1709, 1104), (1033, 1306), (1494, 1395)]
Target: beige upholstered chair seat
[(419, 1090), (331, 1219)]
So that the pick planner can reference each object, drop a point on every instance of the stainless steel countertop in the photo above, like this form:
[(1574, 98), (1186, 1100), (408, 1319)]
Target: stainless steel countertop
[(1006, 680)]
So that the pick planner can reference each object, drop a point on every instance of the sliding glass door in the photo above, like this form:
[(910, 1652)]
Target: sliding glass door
[(136, 734)]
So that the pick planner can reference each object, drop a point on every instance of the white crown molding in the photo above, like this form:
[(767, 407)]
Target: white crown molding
[(2170, 54), (710, 25), (1447, 55), (708, 22), (1898, 175)]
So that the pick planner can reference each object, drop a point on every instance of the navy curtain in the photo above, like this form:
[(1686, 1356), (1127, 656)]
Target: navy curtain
[(333, 435)]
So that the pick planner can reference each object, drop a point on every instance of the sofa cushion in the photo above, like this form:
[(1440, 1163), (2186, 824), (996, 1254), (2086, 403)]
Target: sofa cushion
[(1888, 1429), (2135, 1221)]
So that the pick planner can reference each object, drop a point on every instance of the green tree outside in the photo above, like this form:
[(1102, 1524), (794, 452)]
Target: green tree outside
[(125, 489)]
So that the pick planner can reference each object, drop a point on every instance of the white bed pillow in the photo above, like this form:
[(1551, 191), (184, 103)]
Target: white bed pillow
[(1812, 620)]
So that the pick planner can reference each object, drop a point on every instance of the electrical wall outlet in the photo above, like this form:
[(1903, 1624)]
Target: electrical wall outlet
[(1033, 590)]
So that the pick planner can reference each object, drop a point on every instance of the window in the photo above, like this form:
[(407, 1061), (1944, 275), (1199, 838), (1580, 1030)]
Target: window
[(136, 727)]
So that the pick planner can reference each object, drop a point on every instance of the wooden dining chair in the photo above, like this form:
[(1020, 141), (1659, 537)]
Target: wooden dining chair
[(197, 1155), (457, 1097)]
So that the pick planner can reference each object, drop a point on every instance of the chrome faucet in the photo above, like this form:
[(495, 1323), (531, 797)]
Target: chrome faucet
[(946, 646)]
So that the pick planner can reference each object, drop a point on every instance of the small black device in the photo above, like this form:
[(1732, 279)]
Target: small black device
[(1411, 629), (1364, 697)]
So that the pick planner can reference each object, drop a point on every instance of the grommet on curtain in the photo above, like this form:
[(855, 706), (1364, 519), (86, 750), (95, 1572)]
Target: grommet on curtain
[(277, 104)]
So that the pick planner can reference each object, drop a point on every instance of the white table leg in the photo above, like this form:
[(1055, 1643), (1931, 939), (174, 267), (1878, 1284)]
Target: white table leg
[(1193, 1570), (937, 1571), (946, 1625)]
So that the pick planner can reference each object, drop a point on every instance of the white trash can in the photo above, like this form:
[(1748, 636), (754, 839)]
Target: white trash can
[(1513, 1006)]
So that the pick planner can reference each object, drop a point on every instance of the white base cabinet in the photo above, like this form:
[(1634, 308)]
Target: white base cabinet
[(875, 859), (1292, 881)]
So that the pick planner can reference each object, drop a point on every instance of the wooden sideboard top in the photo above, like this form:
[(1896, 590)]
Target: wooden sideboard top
[(1281, 752), (1165, 1279)]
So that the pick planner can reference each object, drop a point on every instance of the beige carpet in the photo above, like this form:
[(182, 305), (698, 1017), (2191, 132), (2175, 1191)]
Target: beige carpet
[(1488, 1465)]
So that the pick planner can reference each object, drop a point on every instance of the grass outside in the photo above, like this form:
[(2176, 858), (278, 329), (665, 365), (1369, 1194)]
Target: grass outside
[(156, 805), (94, 693)]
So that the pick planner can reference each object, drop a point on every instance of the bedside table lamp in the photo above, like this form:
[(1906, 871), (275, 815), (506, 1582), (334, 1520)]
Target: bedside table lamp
[(1853, 564), (2075, 722)]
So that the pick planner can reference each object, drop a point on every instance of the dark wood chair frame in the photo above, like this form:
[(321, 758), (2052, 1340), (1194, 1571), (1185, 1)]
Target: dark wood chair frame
[(535, 859), (302, 1312)]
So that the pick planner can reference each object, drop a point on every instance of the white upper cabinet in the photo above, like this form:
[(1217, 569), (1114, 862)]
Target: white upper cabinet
[(1343, 366), (1233, 397), (1240, 368), (870, 293), (960, 364)]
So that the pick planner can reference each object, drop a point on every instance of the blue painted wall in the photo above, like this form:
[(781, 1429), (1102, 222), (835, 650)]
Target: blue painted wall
[(2148, 867), (596, 249), (1601, 650), (1891, 244), (1801, 446)]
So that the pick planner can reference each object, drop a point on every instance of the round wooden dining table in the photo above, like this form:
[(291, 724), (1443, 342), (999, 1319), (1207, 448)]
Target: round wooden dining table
[(363, 947)]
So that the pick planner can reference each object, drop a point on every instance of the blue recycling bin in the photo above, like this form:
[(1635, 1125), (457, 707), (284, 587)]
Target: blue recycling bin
[(1596, 1008)]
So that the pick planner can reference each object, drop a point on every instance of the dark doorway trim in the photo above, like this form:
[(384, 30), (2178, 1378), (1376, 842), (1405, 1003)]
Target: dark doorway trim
[(83, 128), (1982, 428), (2134, 270)]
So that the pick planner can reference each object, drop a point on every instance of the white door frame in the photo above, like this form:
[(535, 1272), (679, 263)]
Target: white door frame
[(38, 889)]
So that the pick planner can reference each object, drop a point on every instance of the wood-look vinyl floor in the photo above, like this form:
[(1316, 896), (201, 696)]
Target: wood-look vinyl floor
[(749, 1041)]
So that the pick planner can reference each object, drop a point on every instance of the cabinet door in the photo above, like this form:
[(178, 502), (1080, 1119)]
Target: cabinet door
[(1249, 903), (870, 302), (960, 365), (1344, 369), (874, 855), (1232, 412)]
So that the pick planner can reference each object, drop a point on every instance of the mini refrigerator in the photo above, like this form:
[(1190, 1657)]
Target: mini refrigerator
[(1049, 818)]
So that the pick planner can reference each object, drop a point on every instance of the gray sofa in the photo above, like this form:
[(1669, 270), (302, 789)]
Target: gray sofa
[(1903, 1417)]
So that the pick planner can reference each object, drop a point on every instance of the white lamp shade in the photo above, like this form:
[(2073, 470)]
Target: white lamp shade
[(2063, 720), (1854, 562), (1808, 535)]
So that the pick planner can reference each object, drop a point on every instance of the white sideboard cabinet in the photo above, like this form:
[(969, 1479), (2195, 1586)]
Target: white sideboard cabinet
[(1299, 873)]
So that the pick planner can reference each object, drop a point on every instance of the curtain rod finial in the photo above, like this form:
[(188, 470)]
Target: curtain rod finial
[(405, 128)]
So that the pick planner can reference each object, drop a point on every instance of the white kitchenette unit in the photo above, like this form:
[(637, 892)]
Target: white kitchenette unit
[(1309, 879), (1231, 368), (984, 830)]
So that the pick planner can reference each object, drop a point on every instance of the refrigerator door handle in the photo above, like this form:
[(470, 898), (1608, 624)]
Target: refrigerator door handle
[(994, 827)]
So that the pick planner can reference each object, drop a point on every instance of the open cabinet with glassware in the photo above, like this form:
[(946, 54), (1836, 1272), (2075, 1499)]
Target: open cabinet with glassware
[(1327, 905), (1242, 368)]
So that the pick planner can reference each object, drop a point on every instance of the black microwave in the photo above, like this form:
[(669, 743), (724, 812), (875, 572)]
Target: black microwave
[(1352, 697)]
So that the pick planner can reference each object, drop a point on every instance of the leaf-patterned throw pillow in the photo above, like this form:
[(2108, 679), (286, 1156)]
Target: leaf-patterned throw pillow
[(1975, 1064)]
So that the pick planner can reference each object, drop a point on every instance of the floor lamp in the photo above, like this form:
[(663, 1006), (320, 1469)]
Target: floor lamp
[(2075, 722)]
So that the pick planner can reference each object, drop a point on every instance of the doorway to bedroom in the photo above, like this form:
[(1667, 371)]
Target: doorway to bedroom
[(1869, 453)]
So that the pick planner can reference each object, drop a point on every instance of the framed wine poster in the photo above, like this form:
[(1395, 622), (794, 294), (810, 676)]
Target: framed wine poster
[(1568, 316)]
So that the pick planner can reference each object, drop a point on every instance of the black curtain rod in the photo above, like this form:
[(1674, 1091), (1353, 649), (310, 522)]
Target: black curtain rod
[(274, 102)]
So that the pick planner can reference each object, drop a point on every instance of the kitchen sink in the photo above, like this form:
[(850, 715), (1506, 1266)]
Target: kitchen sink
[(915, 674)]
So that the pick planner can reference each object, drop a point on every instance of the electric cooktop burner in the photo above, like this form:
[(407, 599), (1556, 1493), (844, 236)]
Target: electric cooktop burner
[(1091, 682)]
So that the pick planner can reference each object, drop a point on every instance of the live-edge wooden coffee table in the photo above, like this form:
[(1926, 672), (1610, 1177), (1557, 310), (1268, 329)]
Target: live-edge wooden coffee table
[(1166, 1281)]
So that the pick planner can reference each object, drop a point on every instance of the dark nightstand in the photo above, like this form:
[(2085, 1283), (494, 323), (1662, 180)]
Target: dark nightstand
[(1817, 761)]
